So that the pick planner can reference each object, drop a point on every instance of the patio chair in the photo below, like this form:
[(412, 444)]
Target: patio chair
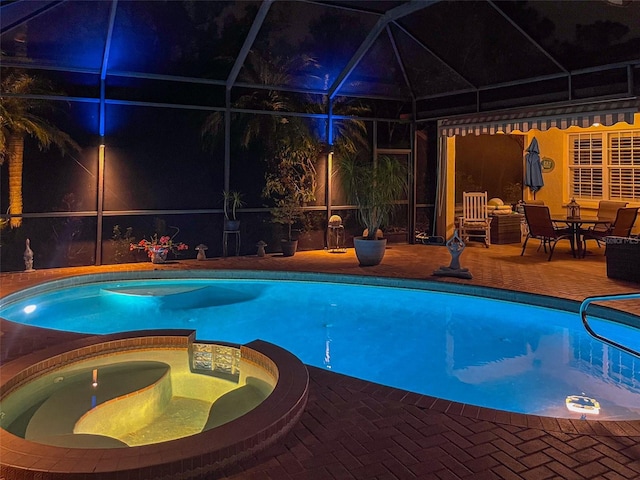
[(475, 221), (524, 228), (607, 210), (621, 227), (541, 227)]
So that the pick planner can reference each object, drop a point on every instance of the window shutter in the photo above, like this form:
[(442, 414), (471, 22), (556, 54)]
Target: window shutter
[(586, 165), (624, 166)]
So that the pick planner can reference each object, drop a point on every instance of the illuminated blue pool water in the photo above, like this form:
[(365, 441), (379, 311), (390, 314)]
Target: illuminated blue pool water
[(473, 350)]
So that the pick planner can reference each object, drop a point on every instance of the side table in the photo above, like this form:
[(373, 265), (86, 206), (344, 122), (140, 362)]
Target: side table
[(506, 228)]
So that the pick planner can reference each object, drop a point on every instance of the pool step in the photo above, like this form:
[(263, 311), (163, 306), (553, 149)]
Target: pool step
[(177, 297), (76, 398), (233, 404), (181, 417)]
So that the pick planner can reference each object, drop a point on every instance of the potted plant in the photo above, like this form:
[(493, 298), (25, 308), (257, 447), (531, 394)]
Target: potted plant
[(232, 202), (290, 180), (286, 212), (159, 246), (374, 189)]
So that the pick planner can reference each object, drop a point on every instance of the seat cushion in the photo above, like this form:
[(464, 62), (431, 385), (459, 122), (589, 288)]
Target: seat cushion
[(474, 223)]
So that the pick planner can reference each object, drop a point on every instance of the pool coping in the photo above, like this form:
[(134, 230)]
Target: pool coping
[(204, 453)]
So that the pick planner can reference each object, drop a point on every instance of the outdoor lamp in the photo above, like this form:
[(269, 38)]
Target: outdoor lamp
[(335, 221), (335, 237), (573, 209)]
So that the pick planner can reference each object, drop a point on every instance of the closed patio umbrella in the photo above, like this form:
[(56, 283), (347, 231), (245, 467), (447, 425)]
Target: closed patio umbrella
[(533, 168)]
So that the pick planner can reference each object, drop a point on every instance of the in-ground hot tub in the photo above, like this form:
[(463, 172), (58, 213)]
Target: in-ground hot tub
[(160, 402)]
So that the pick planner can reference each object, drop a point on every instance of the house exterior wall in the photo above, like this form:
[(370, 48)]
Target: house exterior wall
[(555, 193)]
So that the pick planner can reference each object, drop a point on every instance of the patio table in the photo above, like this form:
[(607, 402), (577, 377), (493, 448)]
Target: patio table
[(575, 226)]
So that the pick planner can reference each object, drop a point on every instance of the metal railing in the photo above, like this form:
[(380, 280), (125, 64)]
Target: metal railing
[(583, 315)]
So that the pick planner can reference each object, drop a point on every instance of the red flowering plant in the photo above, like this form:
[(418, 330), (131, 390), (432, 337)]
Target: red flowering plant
[(160, 245)]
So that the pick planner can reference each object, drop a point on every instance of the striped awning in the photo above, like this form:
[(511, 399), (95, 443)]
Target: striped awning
[(562, 117)]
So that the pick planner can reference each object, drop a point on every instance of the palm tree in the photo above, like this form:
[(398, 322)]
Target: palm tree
[(289, 147), (21, 117), (259, 70)]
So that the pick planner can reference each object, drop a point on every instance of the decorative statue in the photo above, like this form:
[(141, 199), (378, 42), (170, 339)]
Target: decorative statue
[(201, 252), (28, 257), (455, 245)]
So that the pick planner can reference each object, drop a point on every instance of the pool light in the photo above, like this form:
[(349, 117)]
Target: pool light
[(29, 309), (582, 404)]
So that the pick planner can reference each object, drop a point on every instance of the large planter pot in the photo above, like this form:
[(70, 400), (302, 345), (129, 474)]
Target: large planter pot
[(289, 247), (369, 252)]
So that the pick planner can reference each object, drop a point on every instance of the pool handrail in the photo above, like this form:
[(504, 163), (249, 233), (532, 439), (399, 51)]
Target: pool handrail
[(583, 315)]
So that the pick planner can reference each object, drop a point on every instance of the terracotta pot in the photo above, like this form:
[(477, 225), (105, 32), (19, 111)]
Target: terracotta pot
[(369, 252)]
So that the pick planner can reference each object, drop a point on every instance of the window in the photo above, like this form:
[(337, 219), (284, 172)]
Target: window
[(624, 165), (585, 165), (605, 166)]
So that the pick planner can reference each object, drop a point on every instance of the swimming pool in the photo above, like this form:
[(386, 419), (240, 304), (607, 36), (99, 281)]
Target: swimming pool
[(481, 351)]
